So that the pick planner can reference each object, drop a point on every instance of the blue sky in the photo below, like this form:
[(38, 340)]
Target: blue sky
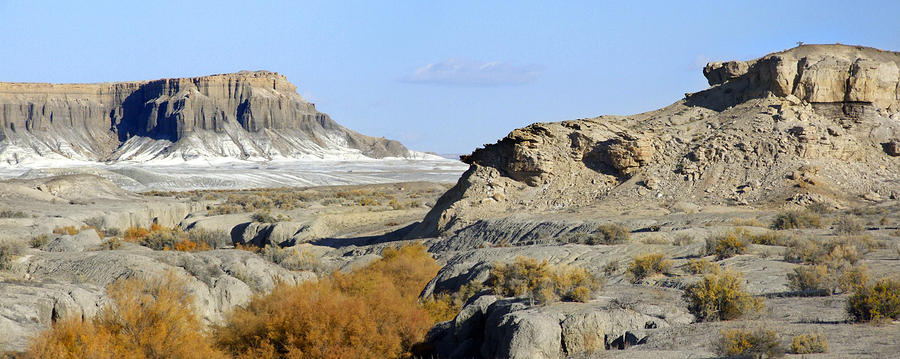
[(443, 76)]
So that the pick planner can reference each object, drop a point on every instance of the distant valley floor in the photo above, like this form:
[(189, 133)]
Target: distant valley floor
[(248, 174)]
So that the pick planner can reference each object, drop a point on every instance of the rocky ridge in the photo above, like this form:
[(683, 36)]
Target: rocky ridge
[(816, 123), (245, 115)]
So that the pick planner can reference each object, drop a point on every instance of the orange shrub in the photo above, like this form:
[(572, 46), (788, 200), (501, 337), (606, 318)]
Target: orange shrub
[(136, 234), (369, 313), (70, 230), (145, 319), (188, 245)]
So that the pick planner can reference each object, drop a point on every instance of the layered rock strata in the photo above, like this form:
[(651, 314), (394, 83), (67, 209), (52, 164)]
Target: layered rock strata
[(245, 115)]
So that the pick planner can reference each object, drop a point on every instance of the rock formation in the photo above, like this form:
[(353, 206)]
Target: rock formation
[(246, 115), (816, 123)]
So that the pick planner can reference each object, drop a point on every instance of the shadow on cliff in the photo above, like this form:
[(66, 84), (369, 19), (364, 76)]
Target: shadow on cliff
[(393, 236), (139, 117)]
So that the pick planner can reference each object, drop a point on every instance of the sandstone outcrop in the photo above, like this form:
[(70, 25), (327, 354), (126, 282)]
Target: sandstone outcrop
[(816, 74), (246, 115), (830, 109)]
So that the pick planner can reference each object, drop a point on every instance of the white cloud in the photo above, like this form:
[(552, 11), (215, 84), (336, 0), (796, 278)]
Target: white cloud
[(461, 71)]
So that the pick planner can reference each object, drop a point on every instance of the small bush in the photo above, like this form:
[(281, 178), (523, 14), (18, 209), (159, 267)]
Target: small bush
[(541, 282), (445, 306), (136, 234), (720, 297), (9, 250), (611, 234), (849, 279), (812, 280), (809, 343), (267, 217), (796, 220), (702, 266), (67, 230), (111, 243), (214, 239), (875, 302), (161, 240), (728, 245), (9, 213), (39, 241), (188, 245), (848, 225), (746, 343), (648, 265)]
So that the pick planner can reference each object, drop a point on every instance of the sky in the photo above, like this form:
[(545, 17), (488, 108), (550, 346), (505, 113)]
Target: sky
[(441, 76)]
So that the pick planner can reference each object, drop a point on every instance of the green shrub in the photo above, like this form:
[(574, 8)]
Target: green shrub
[(39, 241), (542, 282), (809, 343), (9, 250), (728, 245), (746, 343), (648, 265), (720, 297), (875, 302), (796, 220), (161, 239)]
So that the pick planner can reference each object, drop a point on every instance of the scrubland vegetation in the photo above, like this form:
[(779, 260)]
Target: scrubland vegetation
[(145, 319), (749, 343), (648, 265), (542, 282), (161, 238), (369, 313), (720, 297)]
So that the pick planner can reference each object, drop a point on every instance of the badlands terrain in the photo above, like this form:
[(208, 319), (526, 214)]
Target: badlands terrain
[(783, 176)]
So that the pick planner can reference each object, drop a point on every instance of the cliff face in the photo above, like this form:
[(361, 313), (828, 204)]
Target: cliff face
[(815, 74), (244, 115), (814, 124)]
